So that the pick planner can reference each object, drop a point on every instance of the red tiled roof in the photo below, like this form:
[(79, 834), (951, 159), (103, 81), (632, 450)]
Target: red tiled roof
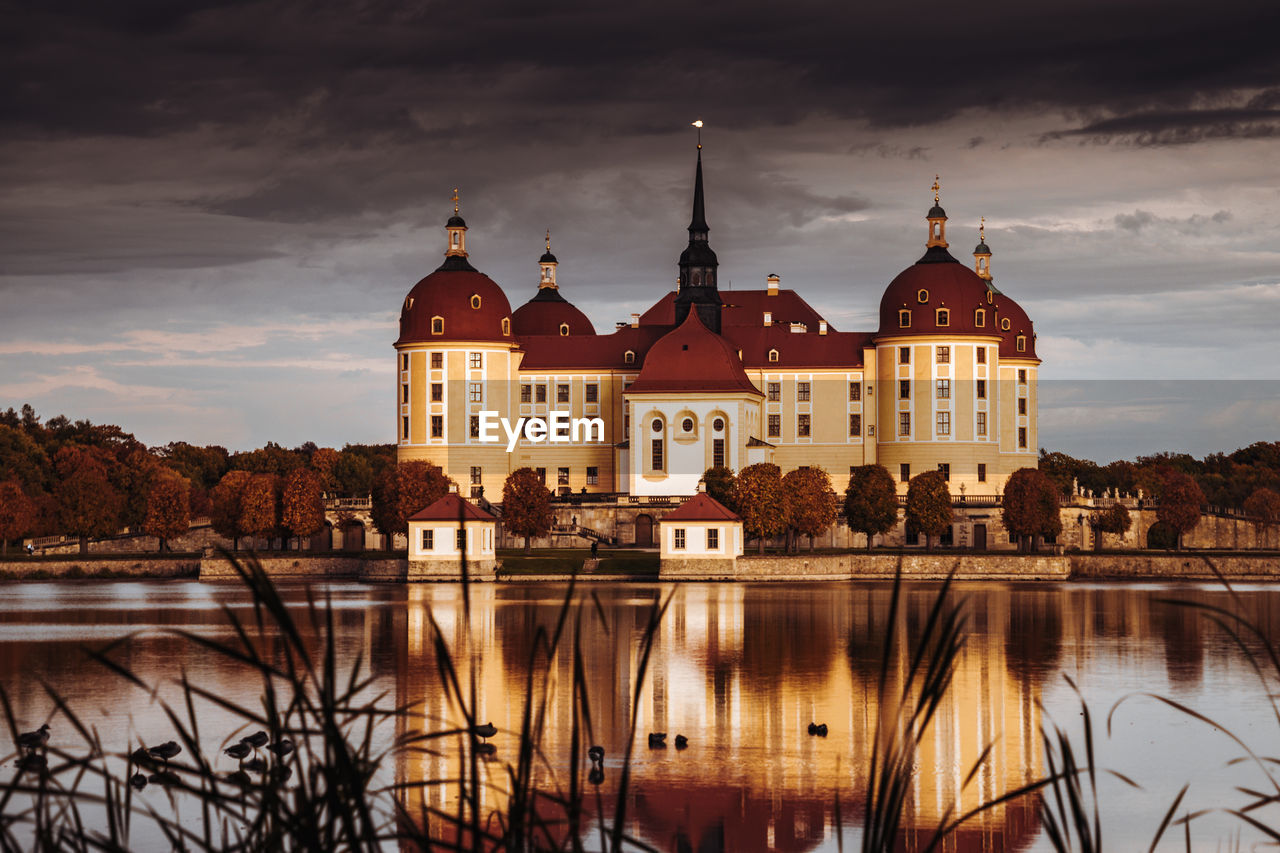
[(451, 507), (743, 308), (543, 314), (701, 507), (692, 358), (804, 349), (447, 293), (546, 352)]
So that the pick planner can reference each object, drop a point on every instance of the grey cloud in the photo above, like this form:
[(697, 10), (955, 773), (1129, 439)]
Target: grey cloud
[(1178, 128)]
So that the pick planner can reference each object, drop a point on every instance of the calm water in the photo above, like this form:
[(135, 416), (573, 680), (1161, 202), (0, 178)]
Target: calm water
[(741, 670)]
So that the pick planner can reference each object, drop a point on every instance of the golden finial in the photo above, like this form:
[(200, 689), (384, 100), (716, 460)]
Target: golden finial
[(982, 229), (455, 201), (935, 188), (698, 125), (548, 239)]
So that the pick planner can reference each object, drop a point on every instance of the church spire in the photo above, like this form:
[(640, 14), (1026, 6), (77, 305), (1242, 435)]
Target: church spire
[(698, 263), (698, 224)]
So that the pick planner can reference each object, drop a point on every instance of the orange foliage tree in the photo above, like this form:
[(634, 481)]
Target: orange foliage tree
[(302, 502), (761, 501), (928, 505), (404, 490), (1264, 506), (871, 501), (168, 507), (224, 506), (1180, 502), (811, 503), (87, 504), (1114, 519), (17, 514), (260, 506), (526, 506), (1029, 507), (323, 462)]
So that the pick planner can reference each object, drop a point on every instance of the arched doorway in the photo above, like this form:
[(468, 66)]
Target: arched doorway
[(644, 531), (353, 536), (322, 539)]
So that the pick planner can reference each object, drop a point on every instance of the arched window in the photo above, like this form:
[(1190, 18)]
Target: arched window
[(437, 325), (980, 318), (1022, 343), (990, 297), (564, 330), (922, 296), (904, 319), (629, 357), (475, 300), (506, 325), (773, 355), (944, 317)]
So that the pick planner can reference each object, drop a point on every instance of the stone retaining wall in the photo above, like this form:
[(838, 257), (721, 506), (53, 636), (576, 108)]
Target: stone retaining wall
[(149, 567), (857, 566), (287, 567), (1175, 566)]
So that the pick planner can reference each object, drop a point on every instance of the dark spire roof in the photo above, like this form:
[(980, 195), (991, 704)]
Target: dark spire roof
[(698, 224)]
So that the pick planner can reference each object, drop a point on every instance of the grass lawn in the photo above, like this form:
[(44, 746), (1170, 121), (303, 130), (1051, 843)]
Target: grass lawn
[(563, 561)]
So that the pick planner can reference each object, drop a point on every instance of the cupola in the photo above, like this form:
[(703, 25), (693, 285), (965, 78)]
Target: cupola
[(982, 254), (547, 265), (937, 220), (457, 228)]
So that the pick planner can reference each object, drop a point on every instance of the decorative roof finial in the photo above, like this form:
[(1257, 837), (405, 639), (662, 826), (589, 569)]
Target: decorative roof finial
[(548, 239), (455, 201), (935, 188), (698, 125), (982, 229)]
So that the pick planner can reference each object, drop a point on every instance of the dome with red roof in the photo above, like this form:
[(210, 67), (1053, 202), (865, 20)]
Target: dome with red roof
[(546, 312), (455, 303), (692, 358)]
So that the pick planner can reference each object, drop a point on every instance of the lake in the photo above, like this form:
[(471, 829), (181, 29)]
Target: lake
[(740, 670)]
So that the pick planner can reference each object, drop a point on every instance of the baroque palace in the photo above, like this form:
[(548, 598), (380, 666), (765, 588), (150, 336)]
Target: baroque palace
[(703, 378)]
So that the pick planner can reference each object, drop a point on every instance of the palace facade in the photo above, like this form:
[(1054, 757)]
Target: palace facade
[(703, 378)]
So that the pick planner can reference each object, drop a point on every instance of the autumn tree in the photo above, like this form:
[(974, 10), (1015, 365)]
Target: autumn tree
[(761, 502), (323, 462), (87, 504), (1180, 503), (526, 506), (719, 484), (1264, 506), (1030, 507), (871, 501), (811, 503), (1115, 520), (404, 490), (260, 506), (225, 501), (352, 475), (928, 505), (133, 476), (168, 507), (302, 503), (17, 514)]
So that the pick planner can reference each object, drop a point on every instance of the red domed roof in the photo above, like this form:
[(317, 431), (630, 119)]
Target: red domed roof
[(692, 358), (448, 293), (938, 281), (544, 314)]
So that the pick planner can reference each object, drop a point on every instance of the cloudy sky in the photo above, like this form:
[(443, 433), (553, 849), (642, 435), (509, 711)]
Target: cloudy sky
[(210, 212)]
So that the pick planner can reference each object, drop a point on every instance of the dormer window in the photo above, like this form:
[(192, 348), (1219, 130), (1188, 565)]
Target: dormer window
[(564, 330), (904, 319), (408, 302), (980, 318), (768, 318), (922, 296), (1022, 343), (943, 317), (629, 357), (475, 300), (990, 297), (506, 325), (773, 355), (437, 325), (1005, 324)]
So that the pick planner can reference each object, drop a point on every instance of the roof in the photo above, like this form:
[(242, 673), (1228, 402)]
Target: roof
[(692, 358), (701, 507), (452, 507), (547, 352), (743, 308), (543, 314), (447, 293)]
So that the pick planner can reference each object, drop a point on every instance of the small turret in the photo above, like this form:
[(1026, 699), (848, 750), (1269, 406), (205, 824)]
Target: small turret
[(547, 265), (937, 220), (982, 254)]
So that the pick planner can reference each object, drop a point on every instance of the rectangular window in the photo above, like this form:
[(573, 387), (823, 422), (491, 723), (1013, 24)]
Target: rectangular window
[(475, 426), (526, 393), (713, 538), (904, 473), (562, 476), (437, 392), (476, 360), (855, 392), (541, 393), (802, 425), (944, 423), (982, 389), (775, 426), (404, 361), (678, 539), (562, 393), (437, 426), (855, 425), (404, 427), (904, 423), (462, 540), (1022, 377), (542, 475), (656, 446), (476, 473), (593, 392), (982, 355), (944, 355), (475, 392), (717, 452), (982, 423), (802, 392), (626, 423), (775, 392), (1022, 405), (904, 389), (904, 355), (593, 475), (982, 472), (404, 392), (428, 539), (944, 389), (437, 360), (944, 468), (1022, 437)]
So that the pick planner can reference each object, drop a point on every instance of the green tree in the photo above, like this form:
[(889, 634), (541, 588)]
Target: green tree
[(302, 503), (87, 504), (871, 501), (1180, 503), (1030, 507), (811, 503), (761, 502), (1115, 520), (168, 507), (260, 506), (402, 491), (1264, 506), (719, 484), (928, 505), (226, 501), (17, 514), (352, 475), (526, 506)]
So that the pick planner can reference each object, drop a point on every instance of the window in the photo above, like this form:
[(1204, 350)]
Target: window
[(944, 389), (982, 355), (678, 539), (775, 426), (1022, 437), (802, 392), (802, 425), (656, 425), (540, 393), (990, 297), (404, 392), (922, 296), (564, 330), (526, 393), (437, 426), (562, 476), (980, 317), (628, 357), (562, 393), (475, 426), (944, 355), (656, 446), (904, 472), (943, 317), (713, 538), (626, 423), (855, 392), (404, 361), (1022, 343), (773, 355), (506, 325), (428, 540), (1022, 377), (437, 392), (475, 360), (944, 423), (593, 392), (904, 319), (593, 475), (437, 325), (462, 540), (475, 392), (718, 424), (717, 452), (542, 475), (775, 392), (982, 423), (944, 468), (686, 425), (1004, 324), (982, 389), (437, 360), (476, 472), (904, 389), (404, 427), (475, 300), (904, 423), (982, 472), (1022, 405), (855, 425), (904, 355)]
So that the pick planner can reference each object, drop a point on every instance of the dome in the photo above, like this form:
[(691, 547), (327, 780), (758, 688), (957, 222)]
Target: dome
[(450, 293), (936, 212), (548, 258), (692, 358), (544, 314), (981, 249), (455, 221)]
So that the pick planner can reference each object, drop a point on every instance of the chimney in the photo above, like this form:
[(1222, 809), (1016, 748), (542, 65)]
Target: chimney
[(773, 281), (635, 321), (822, 327), (768, 318)]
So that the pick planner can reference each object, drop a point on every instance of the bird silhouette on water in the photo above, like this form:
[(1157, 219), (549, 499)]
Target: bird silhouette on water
[(596, 754), (239, 751), (657, 740), (37, 739), (281, 748), (165, 751), (485, 731), (138, 781), (257, 740), (818, 729), (681, 741)]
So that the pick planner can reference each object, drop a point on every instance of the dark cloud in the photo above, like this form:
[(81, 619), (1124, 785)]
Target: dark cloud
[(1180, 128)]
